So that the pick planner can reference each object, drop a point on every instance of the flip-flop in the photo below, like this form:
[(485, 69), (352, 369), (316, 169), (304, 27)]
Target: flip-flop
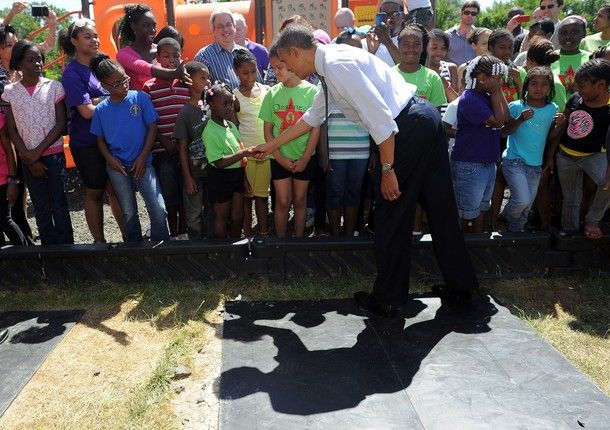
[(593, 232)]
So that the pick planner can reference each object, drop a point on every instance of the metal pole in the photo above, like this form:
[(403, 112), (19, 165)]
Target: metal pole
[(84, 6), (259, 21), (169, 10)]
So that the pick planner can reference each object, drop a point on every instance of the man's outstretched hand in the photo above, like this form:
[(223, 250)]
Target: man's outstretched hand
[(260, 152)]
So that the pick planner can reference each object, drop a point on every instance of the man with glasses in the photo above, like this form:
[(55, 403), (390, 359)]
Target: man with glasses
[(383, 41), (218, 56), (551, 9), (460, 51)]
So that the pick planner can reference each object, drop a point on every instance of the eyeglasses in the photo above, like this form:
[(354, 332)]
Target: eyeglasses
[(119, 84), (81, 23), (470, 12), (549, 7), (221, 27)]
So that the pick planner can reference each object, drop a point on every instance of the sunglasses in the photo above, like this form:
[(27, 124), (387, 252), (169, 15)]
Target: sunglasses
[(119, 84), (549, 7), (469, 12), (81, 23)]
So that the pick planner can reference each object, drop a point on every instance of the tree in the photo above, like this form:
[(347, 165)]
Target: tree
[(447, 13)]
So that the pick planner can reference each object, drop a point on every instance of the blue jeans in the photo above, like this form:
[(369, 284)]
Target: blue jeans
[(50, 202), (199, 215), (522, 182), (474, 185), (344, 183), (150, 189)]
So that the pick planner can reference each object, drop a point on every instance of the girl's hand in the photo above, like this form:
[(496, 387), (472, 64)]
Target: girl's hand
[(606, 184), (559, 119), (549, 166), (190, 186), (116, 165), (38, 170), (526, 114), (139, 168), (286, 163), (30, 157), (300, 165), (12, 192), (513, 72)]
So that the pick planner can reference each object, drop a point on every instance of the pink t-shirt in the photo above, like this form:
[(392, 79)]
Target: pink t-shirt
[(3, 160), (137, 69), (35, 114)]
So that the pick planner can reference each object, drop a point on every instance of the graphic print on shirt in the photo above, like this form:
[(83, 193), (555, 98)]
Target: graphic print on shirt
[(568, 77), (289, 115), (509, 89), (135, 110), (580, 124)]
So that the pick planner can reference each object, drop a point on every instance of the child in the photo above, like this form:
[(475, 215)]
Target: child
[(601, 24), (36, 120), (168, 97), (571, 31), (438, 46), (249, 98), (188, 130), (534, 118), (125, 126), (8, 188), (501, 46), (227, 157), (412, 44), (482, 112), (542, 53), (583, 148), (292, 166), (478, 39)]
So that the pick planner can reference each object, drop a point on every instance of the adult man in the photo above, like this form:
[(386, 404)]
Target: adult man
[(551, 9), (514, 26), (460, 51), (259, 51), (344, 18), (383, 42), (218, 56), (414, 166)]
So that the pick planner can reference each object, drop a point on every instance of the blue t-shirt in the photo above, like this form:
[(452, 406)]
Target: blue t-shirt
[(528, 141), (475, 141), (81, 86), (123, 125)]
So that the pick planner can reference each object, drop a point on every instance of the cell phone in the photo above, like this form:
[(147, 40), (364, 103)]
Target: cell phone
[(40, 11), (524, 18), (379, 18)]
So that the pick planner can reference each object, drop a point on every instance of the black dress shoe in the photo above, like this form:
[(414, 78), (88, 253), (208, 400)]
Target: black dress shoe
[(453, 297), (370, 303)]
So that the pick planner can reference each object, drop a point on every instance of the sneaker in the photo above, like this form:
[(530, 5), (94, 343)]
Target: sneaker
[(310, 218), (183, 236)]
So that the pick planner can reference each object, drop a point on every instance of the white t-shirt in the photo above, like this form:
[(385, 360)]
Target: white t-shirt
[(417, 4), (382, 52), (450, 117)]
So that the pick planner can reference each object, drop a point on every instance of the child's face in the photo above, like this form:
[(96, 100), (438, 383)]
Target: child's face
[(280, 69), (201, 79), (7, 49), (410, 47), (117, 84), (246, 72), (503, 49), (31, 65), (145, 29), (570, 36), (538, 87), (437, 49), (222, 105), (168, 57), (590, 90), (482, 47), (601, 20), (86, 41)]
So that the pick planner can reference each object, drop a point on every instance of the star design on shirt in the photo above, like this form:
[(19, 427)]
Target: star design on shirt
[(567, 79), (289, 116), (509, 89)]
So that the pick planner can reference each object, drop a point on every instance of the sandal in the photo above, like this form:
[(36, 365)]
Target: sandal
[(593, 232)]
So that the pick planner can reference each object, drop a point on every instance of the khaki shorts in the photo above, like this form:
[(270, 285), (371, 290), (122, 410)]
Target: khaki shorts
[(258, 173)]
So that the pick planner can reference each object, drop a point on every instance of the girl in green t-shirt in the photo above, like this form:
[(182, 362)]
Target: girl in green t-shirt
[(227, 157)]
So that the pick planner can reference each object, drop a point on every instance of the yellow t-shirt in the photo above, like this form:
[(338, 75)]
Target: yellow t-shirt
[(250, 125)]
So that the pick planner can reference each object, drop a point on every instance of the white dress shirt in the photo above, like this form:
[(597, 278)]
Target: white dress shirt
[(363, 87)]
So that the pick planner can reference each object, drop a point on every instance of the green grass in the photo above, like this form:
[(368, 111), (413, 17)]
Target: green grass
[(573, 314)]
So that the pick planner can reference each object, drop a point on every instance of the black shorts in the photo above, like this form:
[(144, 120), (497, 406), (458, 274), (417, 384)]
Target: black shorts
[(91, 166), (223, 183), (278, 172)]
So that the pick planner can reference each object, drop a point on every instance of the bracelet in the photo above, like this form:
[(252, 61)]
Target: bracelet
[(13, 180)]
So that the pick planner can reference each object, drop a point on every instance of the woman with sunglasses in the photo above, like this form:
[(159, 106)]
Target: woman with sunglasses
[(80, 41), (138, 30)]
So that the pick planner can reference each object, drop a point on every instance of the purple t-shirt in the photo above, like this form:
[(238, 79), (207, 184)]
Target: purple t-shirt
[(261, 54), (475, 141), (81, 86)]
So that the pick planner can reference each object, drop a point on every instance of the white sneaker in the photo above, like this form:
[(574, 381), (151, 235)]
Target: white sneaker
[(183, 236)]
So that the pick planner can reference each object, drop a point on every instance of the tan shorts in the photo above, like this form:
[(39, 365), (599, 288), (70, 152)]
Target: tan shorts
[(258, 173)]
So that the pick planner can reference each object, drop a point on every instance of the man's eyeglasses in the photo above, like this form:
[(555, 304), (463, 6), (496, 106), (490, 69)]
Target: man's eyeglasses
[(549, 7), (221, 27), (470, 12), (119, 84)]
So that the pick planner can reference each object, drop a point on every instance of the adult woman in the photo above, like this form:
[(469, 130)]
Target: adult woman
[(83, 92), (138, 30)]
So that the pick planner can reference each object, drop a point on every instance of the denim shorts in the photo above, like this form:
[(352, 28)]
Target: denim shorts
[(344, 183), (474, 185)]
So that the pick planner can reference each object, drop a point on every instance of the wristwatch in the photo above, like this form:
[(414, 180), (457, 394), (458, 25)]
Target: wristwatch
[(386, 167)]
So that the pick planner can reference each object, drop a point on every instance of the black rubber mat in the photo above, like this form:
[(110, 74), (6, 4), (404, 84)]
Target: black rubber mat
[(31, 337), (327, 365)]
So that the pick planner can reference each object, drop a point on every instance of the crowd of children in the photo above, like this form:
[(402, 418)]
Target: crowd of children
[(187, 144)]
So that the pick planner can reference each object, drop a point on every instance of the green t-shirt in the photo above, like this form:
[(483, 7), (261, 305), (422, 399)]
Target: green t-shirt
[(592, 42), (283, 107), (510, 88), (220, 142), (560, 94), (429, 84), (566, 68)]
